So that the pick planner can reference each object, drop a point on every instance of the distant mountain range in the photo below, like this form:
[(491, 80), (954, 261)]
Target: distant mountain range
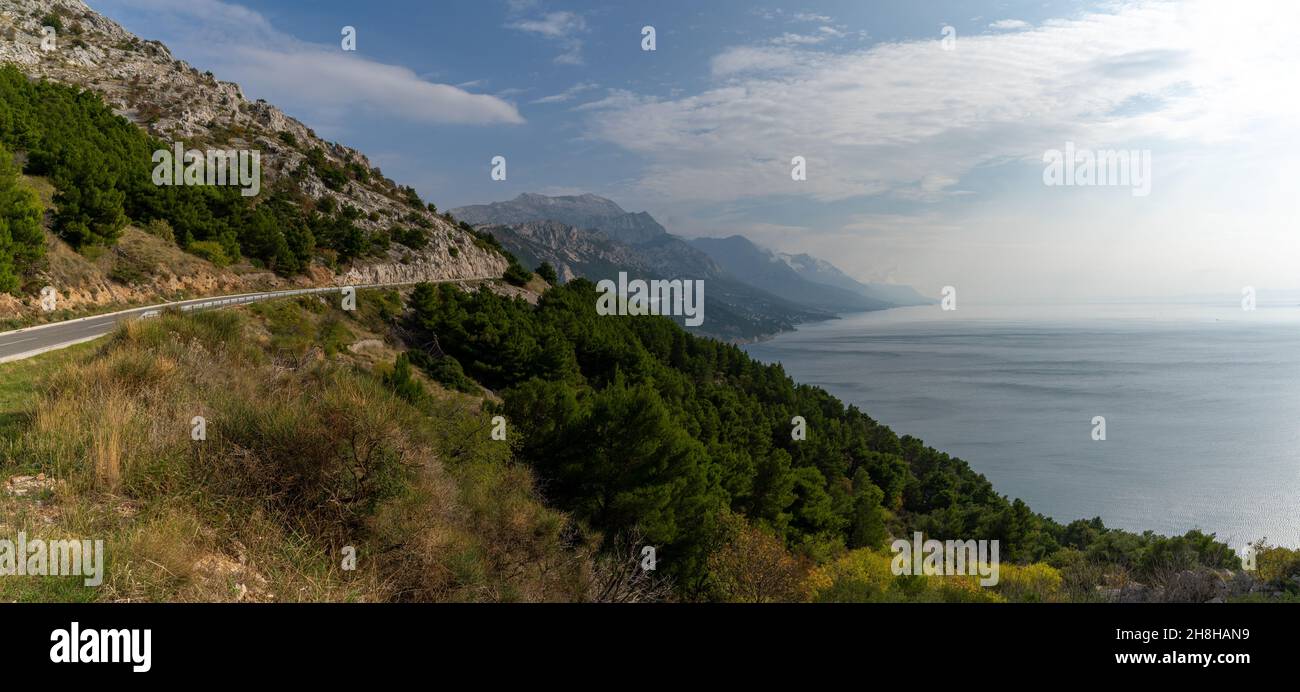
[(764, 269), (735, 310), (822, 272), (583, 211), (751, 292)]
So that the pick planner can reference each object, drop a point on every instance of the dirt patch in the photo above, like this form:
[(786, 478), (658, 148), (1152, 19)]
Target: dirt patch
[(218, 573)]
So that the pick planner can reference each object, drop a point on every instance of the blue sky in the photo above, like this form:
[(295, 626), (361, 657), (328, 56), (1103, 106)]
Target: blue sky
[(925, 164)]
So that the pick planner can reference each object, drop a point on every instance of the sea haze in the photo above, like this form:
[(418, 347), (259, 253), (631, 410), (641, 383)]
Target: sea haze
[(1202, 405)]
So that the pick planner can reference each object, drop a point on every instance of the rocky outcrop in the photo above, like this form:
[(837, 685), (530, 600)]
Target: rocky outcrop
[(471, 263)]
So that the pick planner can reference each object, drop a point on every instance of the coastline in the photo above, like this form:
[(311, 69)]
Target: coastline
[(1015, 398)]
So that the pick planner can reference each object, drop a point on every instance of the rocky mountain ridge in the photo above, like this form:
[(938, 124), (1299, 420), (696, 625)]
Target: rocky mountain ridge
[(141, 81), (737, 312), (585, 211)]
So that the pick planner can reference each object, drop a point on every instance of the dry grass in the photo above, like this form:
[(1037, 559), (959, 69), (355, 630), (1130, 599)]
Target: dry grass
[(301, 461)]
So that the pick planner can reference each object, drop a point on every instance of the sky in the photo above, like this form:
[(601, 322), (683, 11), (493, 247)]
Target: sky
[(924, 126)]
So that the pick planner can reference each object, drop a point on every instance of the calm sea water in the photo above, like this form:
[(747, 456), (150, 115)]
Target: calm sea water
[(1202, 405)]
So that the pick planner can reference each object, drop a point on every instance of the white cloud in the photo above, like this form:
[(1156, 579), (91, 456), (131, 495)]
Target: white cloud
[(572, 56), (615, 99), (1009, 24), (1206, 86), (904, 117), (318, 82), (562, 27), (326, 79), (552, 25), (824, 33), (750, 59), (789, 39), (568, 94)]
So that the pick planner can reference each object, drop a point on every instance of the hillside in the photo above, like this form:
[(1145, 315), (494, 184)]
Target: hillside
[(139, 269), (329, 431), (324, 213), (308, 452)]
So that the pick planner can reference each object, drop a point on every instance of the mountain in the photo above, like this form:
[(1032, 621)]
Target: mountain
[(764, 270), (323, 213), (593, 237), (583, 211), (823, 272), (573, 252), (735, 310), (608, 235)]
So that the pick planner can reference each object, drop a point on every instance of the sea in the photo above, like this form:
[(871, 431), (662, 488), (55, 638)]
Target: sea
[(1201, 404)]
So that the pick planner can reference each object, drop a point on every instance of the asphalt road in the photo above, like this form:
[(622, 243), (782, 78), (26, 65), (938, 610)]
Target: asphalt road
[(33, 341)]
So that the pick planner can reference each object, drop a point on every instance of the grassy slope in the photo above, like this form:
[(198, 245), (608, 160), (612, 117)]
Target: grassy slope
[(307, 452), (20, 382)]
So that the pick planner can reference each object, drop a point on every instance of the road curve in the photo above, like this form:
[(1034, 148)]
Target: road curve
[(33, 341)]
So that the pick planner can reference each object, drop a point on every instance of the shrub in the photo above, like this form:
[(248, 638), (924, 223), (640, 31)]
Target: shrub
[(159, 228), (210, 251), (866, 576), (1036, 583), (444, 370), (324, 461), (411, 197), (401, 382), (753, 566), (414, 238), (1278, 566), (516, 275), (130, 270), (547, 272)]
